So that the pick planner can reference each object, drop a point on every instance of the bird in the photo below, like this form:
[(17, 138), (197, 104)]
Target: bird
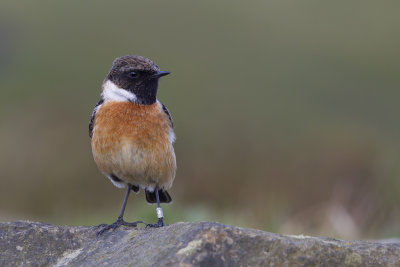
[(132, 134)]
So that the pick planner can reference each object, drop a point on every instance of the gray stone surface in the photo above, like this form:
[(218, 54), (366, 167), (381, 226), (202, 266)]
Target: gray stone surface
[(25, 243)]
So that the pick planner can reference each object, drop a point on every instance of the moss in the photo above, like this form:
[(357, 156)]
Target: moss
[(353, 259), (191, 247)]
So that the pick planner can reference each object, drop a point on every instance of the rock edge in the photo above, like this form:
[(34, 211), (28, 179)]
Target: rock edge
[(25, 243)]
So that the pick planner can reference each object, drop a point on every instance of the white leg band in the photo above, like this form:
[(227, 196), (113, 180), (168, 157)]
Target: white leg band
[(159, 213)]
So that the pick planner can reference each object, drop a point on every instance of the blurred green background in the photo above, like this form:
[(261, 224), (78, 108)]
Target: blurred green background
[(286, 112)]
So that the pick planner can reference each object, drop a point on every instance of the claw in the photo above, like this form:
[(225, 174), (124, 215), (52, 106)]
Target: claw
[(160, 223), (117, 224)]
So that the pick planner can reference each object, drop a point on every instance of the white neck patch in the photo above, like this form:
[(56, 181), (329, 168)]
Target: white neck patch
[(111, 92)]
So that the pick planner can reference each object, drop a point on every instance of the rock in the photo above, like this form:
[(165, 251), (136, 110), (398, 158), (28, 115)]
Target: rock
[(25, 243)]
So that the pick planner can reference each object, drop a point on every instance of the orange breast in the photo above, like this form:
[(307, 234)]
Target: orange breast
[(132, 142)]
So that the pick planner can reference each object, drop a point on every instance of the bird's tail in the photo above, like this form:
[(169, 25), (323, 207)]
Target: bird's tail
[(164, 196)]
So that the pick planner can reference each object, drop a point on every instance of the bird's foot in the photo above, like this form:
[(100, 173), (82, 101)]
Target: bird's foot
[(160, 223), (117, 224)]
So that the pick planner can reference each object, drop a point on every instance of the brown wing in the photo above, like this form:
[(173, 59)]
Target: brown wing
[(91, 123), (168, 114)]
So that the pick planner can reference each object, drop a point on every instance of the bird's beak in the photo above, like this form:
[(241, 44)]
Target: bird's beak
[(160, 74)]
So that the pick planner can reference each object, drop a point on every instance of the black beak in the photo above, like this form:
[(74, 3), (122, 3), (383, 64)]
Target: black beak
[(160, 74)]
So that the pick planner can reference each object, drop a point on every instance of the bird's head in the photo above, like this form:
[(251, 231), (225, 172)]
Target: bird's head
[(134, 79)]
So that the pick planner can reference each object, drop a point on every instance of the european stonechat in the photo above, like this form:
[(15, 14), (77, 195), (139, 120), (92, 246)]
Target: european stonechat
[(132, 134)]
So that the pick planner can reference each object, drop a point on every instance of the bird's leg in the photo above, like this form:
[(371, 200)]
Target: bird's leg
[(120, 221), (121, 214), (160, 215)]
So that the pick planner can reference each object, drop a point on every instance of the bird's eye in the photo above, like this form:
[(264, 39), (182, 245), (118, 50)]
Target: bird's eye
[(132, 74)]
